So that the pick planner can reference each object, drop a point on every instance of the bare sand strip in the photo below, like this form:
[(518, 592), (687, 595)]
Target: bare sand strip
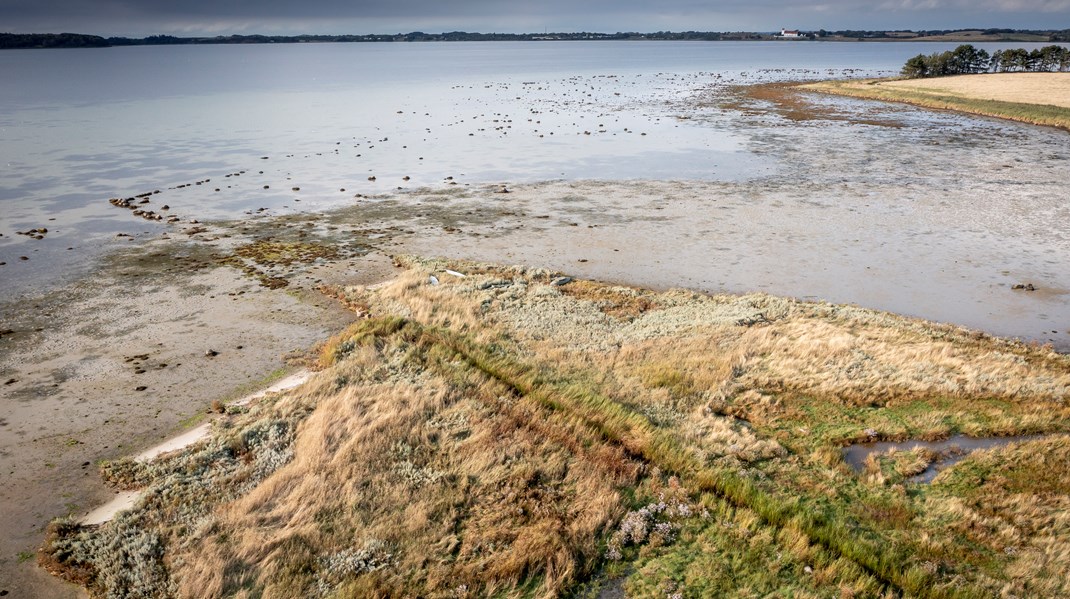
[(1037, 98), (126, 499)]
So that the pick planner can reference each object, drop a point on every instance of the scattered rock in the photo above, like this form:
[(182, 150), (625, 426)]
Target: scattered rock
[(559, 281), (211, 353), (433, 280), (140, 388), (11, 381), (1024, 287)]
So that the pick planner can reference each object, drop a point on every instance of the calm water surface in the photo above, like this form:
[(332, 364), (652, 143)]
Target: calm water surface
[(80, 126)]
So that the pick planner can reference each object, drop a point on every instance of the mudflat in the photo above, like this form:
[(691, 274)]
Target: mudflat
[(112, 363)]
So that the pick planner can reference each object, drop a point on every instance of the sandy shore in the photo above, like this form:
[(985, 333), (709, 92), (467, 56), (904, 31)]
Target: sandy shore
[(113, 364), (126, 499)]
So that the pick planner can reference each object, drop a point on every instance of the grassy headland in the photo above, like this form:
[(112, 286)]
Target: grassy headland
[(513, 434), (1037, 98)]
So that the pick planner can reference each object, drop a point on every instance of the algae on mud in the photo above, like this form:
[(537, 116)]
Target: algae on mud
[(496, 435)]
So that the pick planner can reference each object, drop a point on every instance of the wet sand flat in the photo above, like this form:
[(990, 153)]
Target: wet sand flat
[(860, 209)]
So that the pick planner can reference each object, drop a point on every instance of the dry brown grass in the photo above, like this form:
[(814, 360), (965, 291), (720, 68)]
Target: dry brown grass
[(483, 437), (1025, 88), (457, 483), (1037, 98), (730, 376)]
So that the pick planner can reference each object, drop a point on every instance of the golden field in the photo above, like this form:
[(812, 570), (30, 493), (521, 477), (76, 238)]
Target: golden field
[(1038, 98)]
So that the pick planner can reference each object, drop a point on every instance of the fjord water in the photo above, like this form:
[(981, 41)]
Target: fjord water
[(80, 126)]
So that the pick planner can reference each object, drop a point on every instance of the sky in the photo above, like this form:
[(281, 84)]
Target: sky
[(290, 17)]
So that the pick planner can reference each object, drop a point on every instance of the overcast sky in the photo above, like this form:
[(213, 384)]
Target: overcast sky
[(212, 17)]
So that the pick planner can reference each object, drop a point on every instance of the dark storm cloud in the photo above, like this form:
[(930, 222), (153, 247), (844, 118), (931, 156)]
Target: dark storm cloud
[(138, 17)]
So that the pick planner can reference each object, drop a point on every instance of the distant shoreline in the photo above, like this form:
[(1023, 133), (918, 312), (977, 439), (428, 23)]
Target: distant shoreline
[(11, 41)]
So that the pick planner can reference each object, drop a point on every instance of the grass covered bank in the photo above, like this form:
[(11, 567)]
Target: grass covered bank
[(1036, 98), (501, 435)]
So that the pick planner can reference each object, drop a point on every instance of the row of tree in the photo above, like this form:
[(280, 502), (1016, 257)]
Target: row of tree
[(966, 59)]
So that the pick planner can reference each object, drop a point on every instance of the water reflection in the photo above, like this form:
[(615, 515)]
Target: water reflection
[(947, 452)]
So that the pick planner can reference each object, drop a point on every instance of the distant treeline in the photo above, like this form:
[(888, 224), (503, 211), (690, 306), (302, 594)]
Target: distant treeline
[(51, 40), (72, 40), (966, 60), (77, 40)]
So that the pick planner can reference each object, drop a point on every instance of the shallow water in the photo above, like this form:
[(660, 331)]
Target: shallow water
[(304, 128), (951, 451)]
